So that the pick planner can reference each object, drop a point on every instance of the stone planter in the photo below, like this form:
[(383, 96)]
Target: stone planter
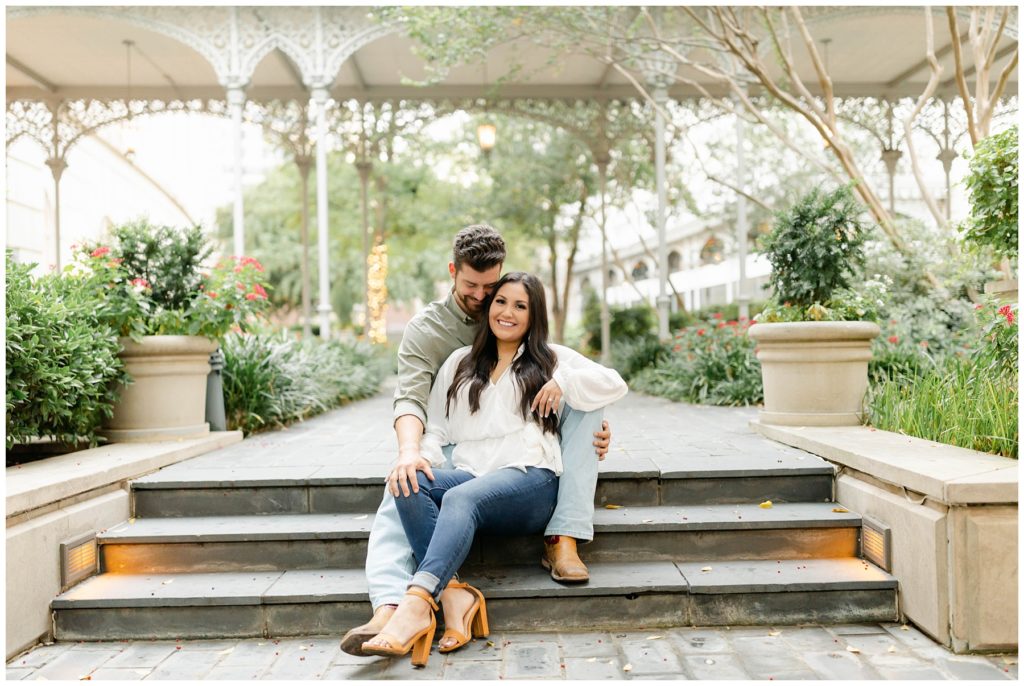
[(1005, 290), (167, 401), (814, 373)]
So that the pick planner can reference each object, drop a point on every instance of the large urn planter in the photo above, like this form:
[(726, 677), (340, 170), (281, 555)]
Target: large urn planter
[(1005, 291), (167, 400), (814, 373)]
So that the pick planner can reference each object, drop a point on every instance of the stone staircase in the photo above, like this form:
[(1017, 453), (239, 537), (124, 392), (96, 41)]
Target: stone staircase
[(214, 554)]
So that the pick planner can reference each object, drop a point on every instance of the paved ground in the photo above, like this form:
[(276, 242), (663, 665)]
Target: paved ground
[(358, 438), (873, 651)]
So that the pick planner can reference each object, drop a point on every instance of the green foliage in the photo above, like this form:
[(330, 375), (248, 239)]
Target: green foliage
[(271, 380), (993, 183), (150, 282), (710, 363), (815, 249), (62, 368), (630, 356), (969, 399), (626, 323)]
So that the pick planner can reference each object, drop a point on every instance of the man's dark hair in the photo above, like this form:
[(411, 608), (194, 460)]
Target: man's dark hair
[(479, 246)]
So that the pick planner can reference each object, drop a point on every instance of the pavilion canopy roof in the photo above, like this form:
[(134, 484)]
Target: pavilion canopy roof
[(78, 53)]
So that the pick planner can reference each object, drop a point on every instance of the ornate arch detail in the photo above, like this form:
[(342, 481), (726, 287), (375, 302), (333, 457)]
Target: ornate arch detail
[(207, 30), (346, 30)]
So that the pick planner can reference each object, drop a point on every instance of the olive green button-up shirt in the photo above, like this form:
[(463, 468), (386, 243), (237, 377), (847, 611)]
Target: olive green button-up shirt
[(430, 337)]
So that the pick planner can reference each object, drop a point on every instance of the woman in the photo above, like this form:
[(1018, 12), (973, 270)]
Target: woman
[(495, 401)]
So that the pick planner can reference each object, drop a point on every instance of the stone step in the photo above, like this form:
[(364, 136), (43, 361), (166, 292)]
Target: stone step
[(693, 480), (289, 542), (618, 596)]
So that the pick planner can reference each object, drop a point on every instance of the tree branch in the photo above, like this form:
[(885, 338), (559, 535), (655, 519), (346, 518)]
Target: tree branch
[(961, 80)]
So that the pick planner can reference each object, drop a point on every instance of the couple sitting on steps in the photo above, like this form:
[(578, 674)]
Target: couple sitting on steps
[(506, 449)]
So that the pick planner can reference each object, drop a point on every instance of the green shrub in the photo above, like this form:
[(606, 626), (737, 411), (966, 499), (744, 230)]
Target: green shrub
[(271, 379), (152, 282), (626, 322), (711, 363), (631, 355), (816, 248), (970, 400), (992, 183), (62, 366)]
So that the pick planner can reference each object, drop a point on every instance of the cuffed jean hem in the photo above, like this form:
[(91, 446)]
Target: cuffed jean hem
[(428, 582), (583, 535)]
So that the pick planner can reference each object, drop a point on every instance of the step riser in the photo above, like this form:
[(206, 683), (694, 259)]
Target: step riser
[(517, 614), (681, 546), (201, 502)]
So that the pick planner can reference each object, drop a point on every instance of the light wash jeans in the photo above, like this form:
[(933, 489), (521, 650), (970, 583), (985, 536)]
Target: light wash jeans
[(441, 520), (389, 560)]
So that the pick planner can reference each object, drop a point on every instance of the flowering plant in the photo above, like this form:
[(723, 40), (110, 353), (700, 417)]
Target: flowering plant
[(711, 362), (151, 282)]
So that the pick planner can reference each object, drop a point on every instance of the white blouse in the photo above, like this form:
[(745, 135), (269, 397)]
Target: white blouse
[(496, 435)]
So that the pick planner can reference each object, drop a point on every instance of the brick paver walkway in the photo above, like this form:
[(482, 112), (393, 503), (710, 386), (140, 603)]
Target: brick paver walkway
[(358, 437), (871, 651)]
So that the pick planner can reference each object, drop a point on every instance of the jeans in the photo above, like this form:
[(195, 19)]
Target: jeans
[(389, 557), (441, 520)]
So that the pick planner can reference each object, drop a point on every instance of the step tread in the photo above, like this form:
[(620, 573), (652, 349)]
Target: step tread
[(676, 466), (348, 525), (349, 585)]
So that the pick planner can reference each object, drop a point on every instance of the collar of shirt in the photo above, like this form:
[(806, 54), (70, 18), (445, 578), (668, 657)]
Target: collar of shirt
[(454, 308)]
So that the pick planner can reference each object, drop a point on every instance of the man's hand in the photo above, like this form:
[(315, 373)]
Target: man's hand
[(603, 440), (403, 476), (547, 399)]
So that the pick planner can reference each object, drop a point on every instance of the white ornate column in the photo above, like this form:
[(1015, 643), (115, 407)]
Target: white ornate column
[(236, 103), (658, 72), (319, 103), (742, 225)]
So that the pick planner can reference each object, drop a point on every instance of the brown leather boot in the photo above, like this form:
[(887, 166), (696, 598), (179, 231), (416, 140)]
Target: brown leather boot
[(561, 559), (354, 639)]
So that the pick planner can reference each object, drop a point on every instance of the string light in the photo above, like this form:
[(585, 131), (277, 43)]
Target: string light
[(377, 295)]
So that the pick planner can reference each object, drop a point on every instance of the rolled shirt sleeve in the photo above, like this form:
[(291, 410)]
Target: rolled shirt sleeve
[(586, 385)]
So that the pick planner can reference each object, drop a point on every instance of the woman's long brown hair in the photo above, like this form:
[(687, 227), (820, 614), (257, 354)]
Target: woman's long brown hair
[(531, 370)]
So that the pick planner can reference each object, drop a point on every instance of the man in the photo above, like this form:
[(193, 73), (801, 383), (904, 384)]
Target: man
[(430, 337)]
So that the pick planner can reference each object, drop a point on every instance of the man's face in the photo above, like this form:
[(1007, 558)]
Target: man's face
[(471, 286)]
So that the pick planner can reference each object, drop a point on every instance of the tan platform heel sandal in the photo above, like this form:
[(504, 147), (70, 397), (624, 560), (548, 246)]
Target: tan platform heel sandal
[(475, 618), (418, 644)]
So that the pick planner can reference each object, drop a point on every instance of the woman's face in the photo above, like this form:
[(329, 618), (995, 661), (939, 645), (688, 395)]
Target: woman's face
[(509, 316)]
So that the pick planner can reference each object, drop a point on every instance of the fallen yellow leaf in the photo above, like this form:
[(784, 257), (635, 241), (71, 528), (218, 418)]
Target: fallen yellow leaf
[(705, 569), (904, 628), (627, 668), (766, 505), (613, 507), (653, 638), (839, 509), (892, 649), (852, 649), (774, 633)]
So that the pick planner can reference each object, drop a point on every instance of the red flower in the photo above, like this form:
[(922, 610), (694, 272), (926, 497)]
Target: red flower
[(213, 295), (100, 251), (238, 268), (894, 339), (978, 306), (720, 325), (731, 322), (717, 315), (260, 291), (251, 296), (239, 285), (246, 261), (1007, 312), (677, 347), (700, 332), (924, 344), (141, 283)]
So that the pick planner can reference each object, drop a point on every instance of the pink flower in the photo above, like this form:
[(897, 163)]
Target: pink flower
[(213, 295), (260, 291), (239, 285), (717, 315), (700, 332), (251, 296), (978, 307), (894, 339), (677, 347), (1007, 312), (100, 251), (238, 268), (246, 261), (731, 322), (140, 283), (924, 344)]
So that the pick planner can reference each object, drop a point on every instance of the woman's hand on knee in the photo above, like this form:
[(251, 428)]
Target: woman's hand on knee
[(403, 477)]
